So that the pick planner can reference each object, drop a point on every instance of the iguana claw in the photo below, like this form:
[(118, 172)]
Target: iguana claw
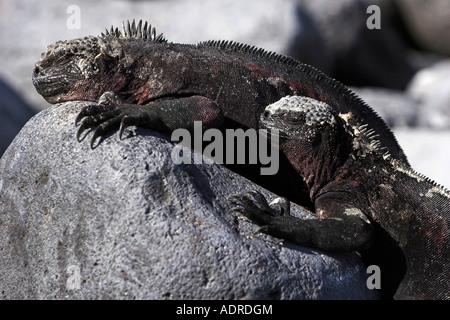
[(258, 209), (102, 118)]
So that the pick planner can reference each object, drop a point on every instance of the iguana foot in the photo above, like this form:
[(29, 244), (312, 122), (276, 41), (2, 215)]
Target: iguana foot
[(109, 114), (163, 115), (258, 210), (347, 230)]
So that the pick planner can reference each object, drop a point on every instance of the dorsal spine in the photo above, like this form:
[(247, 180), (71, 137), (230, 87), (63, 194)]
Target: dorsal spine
[(133, 31)]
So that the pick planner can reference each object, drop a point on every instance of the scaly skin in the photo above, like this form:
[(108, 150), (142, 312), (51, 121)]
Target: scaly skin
[(363, 199)]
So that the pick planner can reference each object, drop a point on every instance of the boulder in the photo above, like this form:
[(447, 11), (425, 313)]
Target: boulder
[(420, 144), (395, 107), (430, 87), (335, 38), (428, 23), (122, 221), (423, 104)]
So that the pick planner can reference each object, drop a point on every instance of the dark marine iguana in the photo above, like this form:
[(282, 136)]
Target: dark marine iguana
[(139, 76), (356, 188)]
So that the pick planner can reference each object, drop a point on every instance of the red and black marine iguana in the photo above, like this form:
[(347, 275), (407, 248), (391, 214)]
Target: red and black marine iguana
[(357, 189), (214, 80), (141, 79)]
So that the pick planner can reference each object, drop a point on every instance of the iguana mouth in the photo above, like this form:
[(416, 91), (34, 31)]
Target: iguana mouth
[(49, 86), (266, 122), (273, 132), (175, 95), (54, 85)]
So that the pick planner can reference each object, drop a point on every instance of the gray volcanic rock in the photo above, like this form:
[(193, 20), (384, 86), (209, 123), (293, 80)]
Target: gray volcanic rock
[(122, 221)]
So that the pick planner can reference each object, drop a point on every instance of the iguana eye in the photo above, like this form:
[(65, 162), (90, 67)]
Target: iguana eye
[(36, 71), (296, 119)]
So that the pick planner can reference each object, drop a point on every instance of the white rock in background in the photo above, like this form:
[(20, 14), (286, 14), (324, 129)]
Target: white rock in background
[(428, 23), (396, 108), (428, 152), (431, 88)]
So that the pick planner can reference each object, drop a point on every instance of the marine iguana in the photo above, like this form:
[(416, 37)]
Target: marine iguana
[(139, 76), (357, 190)]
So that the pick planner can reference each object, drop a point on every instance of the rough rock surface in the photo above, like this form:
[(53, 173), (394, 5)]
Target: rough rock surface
[(123, 221)]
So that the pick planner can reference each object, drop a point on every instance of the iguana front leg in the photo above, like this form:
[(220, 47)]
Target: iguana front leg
[(164, 115), (343, 229)]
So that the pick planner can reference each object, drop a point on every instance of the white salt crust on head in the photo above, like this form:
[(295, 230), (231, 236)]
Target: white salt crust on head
[(316, 112)]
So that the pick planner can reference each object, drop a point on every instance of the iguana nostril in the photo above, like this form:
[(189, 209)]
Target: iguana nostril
[(36, 71)]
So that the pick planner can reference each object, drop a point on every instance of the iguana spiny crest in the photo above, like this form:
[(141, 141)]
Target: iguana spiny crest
[(85, 68)]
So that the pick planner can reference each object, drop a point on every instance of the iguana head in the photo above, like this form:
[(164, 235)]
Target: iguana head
[(68, 70), (299, 118), (312, 136), (85, 68)]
